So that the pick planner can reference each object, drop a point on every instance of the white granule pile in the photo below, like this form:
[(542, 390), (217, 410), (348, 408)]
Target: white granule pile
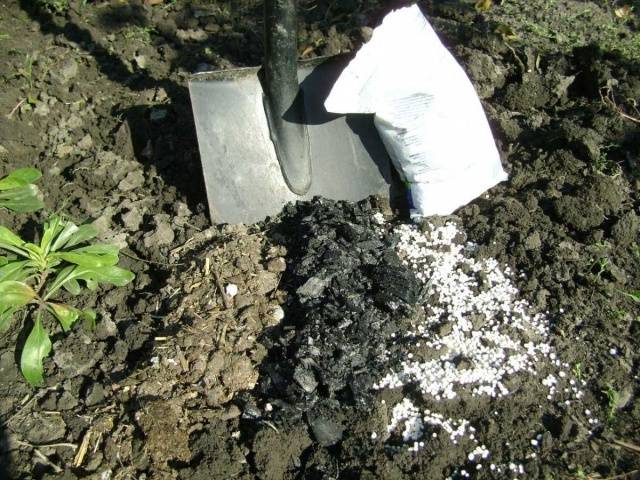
[(475, 332), (415, 422)]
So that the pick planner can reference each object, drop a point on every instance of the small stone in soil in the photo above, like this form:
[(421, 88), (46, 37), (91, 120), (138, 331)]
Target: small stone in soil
[(96, 395), (65, 72), (276, 265), (132, 181), (132, 219), (163, 234), (305, 379), (313, 287), (325, 431)]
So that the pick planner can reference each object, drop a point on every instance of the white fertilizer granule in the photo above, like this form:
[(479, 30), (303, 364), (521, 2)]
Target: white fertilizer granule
[(481, 332)]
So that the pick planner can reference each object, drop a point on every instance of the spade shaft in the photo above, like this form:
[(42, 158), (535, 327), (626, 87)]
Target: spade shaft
[(283, 99)]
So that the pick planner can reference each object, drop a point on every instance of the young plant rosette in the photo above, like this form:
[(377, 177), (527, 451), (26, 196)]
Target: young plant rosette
[(32, 277)]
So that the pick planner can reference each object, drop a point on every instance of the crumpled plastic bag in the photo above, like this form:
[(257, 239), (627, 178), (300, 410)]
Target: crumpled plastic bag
[(426, 111)]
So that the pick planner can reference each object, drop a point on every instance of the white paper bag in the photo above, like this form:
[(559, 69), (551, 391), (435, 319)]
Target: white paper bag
[(426, 111)]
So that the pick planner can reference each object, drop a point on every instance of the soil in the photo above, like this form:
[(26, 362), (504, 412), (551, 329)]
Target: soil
[(183, 379)]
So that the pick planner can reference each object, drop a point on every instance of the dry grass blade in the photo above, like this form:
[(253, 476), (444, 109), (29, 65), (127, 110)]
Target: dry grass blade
[(633, 475), (46, 460), (225, 299), (608, 99), (626, 445), (82, 451)]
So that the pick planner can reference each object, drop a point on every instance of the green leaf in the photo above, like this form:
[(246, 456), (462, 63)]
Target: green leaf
[(66, 314), (69, 276), (113, 275), (15, 294), (90, 317), (73, 287), (8, 238), (20, 178), (635, 296), (35, 349), (84, 233), (63, 278), (18, 193), (72, 235), (18, 271), (22, 199), (92, 256), (483, 5), (6, 316), (33, 249), (3, 260), (52, 228)]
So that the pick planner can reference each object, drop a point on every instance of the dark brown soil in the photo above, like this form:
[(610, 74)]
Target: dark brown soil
[(175, 380)]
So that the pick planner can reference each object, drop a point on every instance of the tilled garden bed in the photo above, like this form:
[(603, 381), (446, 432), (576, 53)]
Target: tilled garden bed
[(336, 340)]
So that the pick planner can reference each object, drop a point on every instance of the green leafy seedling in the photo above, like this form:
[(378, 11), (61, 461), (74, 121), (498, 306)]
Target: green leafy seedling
[(635, 296), (32, 277), (577, 371), (18, 191), (54, 6), (612, 401)]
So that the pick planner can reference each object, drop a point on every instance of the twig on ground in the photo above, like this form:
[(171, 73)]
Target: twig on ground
[(270, 425), (623, 476), (46, 460), (204, 235), (609, 100), (134, 257), (220, 286), (627, 445), (15, 108), (47, 445), (517, 57), (82, 451)]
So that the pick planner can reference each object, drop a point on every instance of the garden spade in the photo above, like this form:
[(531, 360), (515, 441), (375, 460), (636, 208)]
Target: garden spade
[(265, 138)]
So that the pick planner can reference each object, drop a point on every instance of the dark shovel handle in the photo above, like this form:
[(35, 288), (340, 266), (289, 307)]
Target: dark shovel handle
[(281, 48), (283, 99)]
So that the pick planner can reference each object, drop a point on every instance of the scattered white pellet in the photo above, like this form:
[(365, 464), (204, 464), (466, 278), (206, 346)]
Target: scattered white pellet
[(378, 218), (231, 289), (277, 313), (507, 339)]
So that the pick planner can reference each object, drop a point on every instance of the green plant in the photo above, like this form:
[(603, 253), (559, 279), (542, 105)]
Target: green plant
[(635, 296), (604, 165), (612, 401), (577, 371), (139, 32), (54, 6), (18, 191), (26, 71), (33, 276), (600, 266)]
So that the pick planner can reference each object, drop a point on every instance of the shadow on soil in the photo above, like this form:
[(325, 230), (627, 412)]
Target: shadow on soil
[(171, 145), (5, 457)]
